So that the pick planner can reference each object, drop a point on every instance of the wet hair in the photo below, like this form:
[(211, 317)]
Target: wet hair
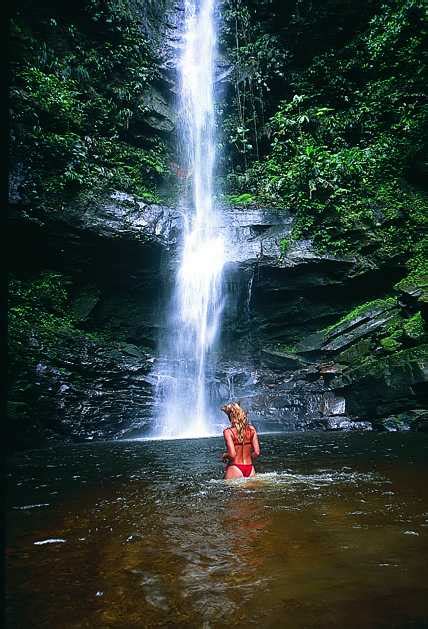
[(237, 417)]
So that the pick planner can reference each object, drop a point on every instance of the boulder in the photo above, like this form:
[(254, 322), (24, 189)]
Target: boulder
[(85, 301), (386, 384), (415, 419), (420, 420), (160, 115)]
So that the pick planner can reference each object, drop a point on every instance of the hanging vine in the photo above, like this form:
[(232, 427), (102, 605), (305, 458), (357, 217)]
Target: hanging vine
[(256, 57)]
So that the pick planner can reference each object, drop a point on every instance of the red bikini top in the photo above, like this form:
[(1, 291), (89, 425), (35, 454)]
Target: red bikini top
[(244, 443)]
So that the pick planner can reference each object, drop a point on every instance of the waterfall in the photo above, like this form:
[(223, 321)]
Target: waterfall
[(196, 304)]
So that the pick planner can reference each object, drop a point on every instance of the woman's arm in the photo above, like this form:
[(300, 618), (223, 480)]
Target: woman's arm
[(255, 444), (231, 452)]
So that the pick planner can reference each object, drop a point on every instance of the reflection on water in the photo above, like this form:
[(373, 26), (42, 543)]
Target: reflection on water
[(332, 532)]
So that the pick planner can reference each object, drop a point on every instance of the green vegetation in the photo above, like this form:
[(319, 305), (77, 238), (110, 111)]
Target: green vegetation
[(257, 57), (340, 139), (326, 117), (38, 304), (39, 313), (240, 199), (78, 102), (285, 244), (417, 266), (376, 366), (394, 334), (363, 310), (390, 344), (414, 327)]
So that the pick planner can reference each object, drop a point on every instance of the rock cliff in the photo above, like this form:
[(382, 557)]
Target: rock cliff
[(297, 347)]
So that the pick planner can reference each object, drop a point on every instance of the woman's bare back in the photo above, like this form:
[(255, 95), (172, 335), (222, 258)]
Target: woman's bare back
[(241, 453)]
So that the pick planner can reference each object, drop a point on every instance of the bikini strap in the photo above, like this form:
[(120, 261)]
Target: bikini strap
[(236, 442)]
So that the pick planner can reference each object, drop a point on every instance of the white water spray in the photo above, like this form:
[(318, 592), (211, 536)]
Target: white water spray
[(197, 302)]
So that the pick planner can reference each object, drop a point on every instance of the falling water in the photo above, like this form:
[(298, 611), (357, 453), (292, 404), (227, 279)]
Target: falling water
[(197, 301)]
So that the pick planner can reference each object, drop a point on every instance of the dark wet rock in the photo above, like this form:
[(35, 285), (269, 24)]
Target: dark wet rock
[(382, 385), (110, 249), (420, 420), (415, 295), (291, 296), (284, 297), (347, 333), (356, 352), (125, 216), (394, 423), (276, 359), (332, 405), (309, 374), (415, 419), (275, 400), (251, 234), (113, 216), (302, 252), (85, 301), (328, 371), (85, 389), (340, 423), (161, 22), (160, 114), (122, 253)]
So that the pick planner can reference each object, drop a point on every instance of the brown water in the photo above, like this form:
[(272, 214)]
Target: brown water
[(333, 532)]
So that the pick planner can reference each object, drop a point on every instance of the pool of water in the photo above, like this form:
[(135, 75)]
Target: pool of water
[(333, 532)]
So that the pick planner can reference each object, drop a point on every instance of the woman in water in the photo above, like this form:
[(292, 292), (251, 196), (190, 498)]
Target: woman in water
[(241, 442)]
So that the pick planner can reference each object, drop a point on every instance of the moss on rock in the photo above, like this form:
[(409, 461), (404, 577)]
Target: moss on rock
[(414, 327), (390, 344)]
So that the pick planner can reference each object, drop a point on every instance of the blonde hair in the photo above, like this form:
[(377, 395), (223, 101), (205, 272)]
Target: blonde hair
[(237, 417)]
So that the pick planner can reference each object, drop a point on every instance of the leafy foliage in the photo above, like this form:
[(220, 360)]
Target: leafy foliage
[(39, 311), (38, 308), (79, 80), (240, 199), (417, 265), (346, 144), (257, 58)]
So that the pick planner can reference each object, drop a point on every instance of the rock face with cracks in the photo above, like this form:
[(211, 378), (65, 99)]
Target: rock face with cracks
[(302, 359)]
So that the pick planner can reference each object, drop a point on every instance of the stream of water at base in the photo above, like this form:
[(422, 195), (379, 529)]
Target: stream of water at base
[(333, 532)]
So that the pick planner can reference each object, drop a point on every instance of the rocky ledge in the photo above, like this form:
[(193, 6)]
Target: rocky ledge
[(82, 389), (313, 344), (375, 360)]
